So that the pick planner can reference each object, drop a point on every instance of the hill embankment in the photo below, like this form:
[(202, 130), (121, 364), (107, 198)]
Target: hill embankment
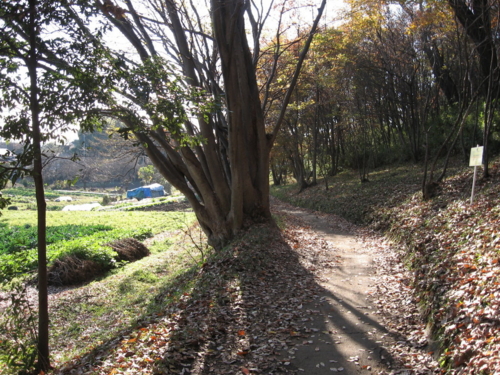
[(451, 246)]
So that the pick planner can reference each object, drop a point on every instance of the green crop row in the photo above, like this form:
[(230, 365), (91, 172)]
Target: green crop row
[(28, 192), (16, 238), (93, 247)]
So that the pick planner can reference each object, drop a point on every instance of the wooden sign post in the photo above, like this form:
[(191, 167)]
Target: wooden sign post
[(476, 159)]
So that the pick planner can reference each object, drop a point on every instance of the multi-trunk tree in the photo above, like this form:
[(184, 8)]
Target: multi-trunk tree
[(185, 88), (187, 92)]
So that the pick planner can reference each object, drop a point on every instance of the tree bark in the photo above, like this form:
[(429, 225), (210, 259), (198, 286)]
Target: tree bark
[(248, 151), (476, 21), (43, 312)]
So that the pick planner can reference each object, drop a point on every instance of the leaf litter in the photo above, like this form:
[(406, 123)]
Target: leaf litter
[(454, 249), (245, 313)]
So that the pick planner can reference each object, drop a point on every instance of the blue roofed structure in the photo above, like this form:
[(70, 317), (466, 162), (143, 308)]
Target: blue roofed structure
[(148, 191)]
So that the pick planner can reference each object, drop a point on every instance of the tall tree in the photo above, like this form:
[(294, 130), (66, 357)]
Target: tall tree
[(479, 20), (193, 102), (43, 303), (59, 89)]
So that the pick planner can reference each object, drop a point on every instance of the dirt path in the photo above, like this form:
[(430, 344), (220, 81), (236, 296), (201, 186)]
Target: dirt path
[(321, 296), (349, 332)]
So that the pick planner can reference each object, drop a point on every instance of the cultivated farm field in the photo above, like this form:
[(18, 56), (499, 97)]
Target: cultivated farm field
[(84, 234), (118, 293)]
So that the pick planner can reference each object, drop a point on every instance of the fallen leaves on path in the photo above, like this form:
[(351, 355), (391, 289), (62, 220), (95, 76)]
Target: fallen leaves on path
[(391, 292), (245, 313)]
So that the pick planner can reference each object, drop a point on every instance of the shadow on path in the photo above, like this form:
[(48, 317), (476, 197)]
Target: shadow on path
[(345, 333), (271, 303)]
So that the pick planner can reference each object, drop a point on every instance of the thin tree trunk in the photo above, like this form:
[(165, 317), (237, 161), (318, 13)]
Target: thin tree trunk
[(43, 311), (315, 140)]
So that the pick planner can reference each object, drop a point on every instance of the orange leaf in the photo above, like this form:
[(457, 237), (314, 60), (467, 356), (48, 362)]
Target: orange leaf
[(241, 333), (243, 352), (245, 370)]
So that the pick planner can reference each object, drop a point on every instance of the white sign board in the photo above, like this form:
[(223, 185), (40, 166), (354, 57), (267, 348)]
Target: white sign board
[(476, 156)]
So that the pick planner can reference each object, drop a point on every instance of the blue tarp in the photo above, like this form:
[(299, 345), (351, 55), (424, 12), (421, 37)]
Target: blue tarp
[(149, 191)]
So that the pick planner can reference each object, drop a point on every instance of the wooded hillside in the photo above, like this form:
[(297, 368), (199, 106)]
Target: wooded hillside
[(393, 82)]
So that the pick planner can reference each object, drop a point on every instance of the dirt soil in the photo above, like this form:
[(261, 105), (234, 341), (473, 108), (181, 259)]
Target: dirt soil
[(365, 319)]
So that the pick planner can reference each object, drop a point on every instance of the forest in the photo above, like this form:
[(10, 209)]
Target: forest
[(393, 83), (221, 99)]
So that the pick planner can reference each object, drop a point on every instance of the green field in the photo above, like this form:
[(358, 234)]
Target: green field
[(154, 220), (116, 298), (84, 234), (17, 238)]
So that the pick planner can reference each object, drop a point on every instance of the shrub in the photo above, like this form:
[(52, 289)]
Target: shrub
[(87, 262), (129, 249), (59, 185), (70, 270), (108, 199)]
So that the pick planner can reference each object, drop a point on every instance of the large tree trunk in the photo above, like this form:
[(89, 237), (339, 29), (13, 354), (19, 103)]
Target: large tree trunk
[(221, 163), (475, 17), (248, 151)]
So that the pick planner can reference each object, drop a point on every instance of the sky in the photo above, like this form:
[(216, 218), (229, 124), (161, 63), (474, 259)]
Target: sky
[(302, 18)]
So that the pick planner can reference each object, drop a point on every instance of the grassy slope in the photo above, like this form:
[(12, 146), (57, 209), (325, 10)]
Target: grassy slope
[(87, 317), (353, 200), (452, 247)]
